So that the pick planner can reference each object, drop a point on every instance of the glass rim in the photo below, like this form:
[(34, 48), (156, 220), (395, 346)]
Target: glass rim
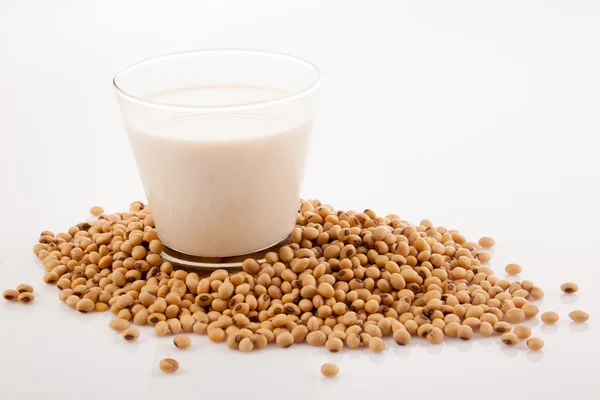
[(295, 94)]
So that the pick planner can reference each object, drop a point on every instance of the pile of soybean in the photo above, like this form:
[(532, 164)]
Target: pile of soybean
[(346, 280)]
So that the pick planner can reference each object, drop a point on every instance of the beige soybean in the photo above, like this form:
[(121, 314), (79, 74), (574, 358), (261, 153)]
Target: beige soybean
[(168, 365), (353, 340), (187, 322), (465, 332), (246, 345), (515, 315), (377, 345), (175, 325), (486, 329), (402, 337), (11, 294), (84, 306), (285, 339), (161, 328), (316, 338), (522, 331), (530, 310), (64, 294), (487, 242), (334, 345), (472, 322), (259, 341), (502, 327), (50, 278), (484, 257), (579, 316), (509, 339), (537, 293), (435, 336), (535, 343), (550, 317), (216, 335), (24, 288), (72, 300), (26, 297), (329, 370), (130, 334), (527, 285), (182, 342), (513, 269), (569, 288), (96, 211), (451, 329), (198, 327)]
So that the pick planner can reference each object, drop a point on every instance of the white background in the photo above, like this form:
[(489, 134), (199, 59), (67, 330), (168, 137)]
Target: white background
[(480, 115)]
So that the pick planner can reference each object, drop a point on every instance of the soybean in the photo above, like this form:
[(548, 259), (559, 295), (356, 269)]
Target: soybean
[(182, 342), (509, 339), (465, 332), (487, 242), (334, 345), (96, 211), (569, 287), (515, 315), (377, 345), (316, 338), (284, 339), (119, 325), (550, 317), (329, 370), (522, 331), (402, 337), (216, 335), (130, 334), (530, 310), (161, 328), (535, 344), (486, 329), (246, 345), (513, 269), (10, 294), (26, 297), (435, 336), (24, 288), (579, 316), (168, 365), (84, 306), (502, 327), (537, 293)]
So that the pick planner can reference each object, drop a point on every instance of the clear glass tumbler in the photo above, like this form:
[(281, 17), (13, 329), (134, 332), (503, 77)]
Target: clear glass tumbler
[(220, 138)]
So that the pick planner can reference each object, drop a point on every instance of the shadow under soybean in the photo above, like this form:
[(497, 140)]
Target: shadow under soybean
[(535, 356), (578, 327), (549, 329), (568, 298)]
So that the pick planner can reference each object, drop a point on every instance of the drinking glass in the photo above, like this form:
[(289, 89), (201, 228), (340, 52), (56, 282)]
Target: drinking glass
[(220, 139)]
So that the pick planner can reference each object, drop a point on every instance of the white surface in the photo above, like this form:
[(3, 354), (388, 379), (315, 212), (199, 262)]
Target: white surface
[(482, 116)]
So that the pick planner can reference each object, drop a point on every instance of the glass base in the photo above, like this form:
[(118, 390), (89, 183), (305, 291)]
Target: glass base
[(208, 264)]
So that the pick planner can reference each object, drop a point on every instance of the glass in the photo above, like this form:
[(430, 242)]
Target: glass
[(220, 139)]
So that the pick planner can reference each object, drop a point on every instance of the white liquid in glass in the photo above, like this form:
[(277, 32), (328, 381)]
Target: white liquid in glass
[(222, 184)]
